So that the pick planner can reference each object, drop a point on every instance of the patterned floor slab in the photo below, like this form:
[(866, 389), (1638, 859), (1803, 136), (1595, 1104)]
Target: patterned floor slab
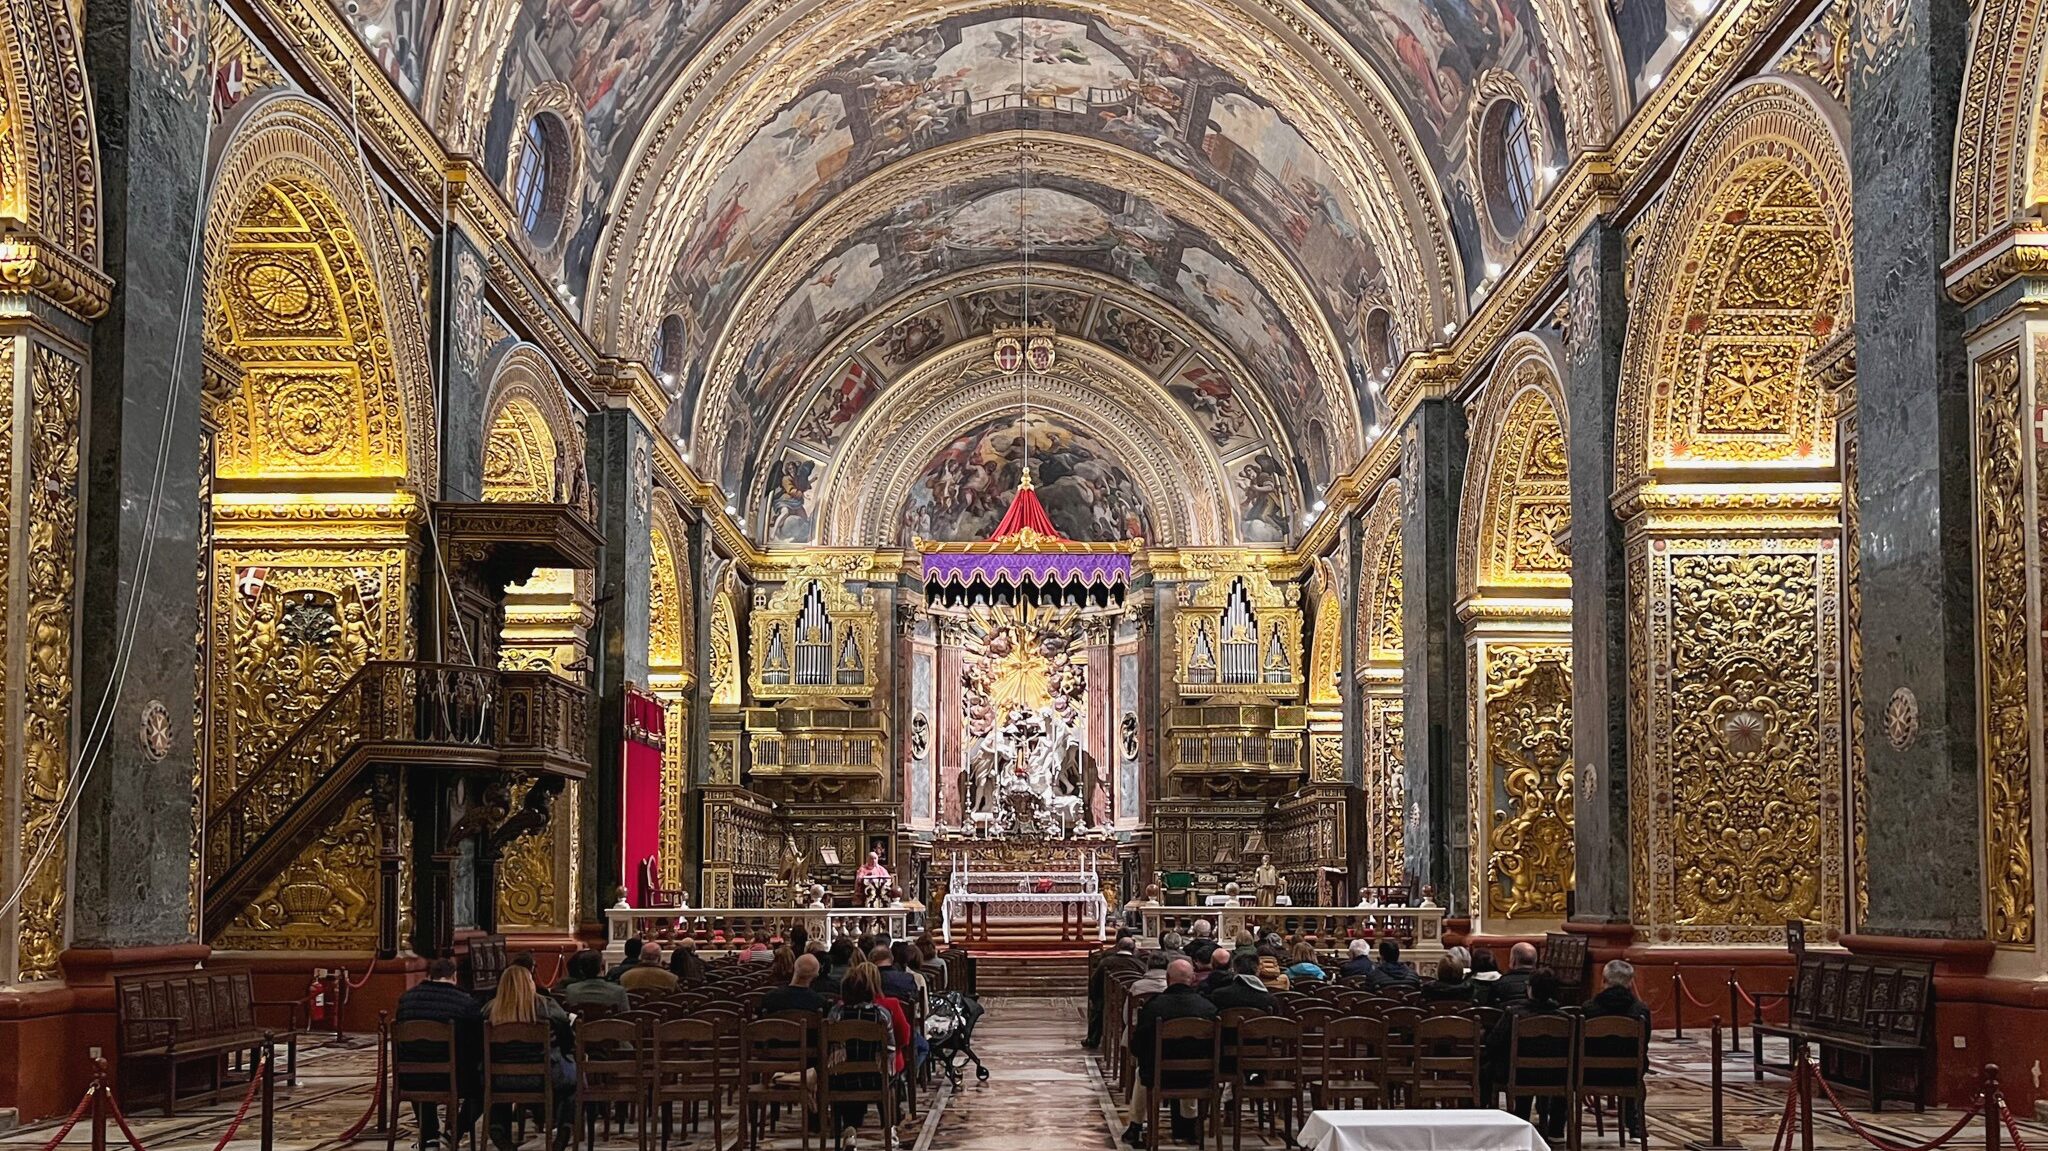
[(1045, 1093)]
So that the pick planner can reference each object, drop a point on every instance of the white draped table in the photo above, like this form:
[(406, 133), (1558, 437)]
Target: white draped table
[(1075, 908), (1419, 1131)]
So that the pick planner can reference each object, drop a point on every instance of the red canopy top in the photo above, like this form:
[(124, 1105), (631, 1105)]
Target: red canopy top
[(1026, 515)]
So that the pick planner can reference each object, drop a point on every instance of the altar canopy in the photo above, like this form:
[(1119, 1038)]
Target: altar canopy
[(1027, 560)]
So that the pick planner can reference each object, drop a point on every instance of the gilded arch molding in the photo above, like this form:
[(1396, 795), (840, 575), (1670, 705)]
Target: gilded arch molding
[(1517, 492), (1309, 74), (1076, 157), (1760, 206), (49, 176), (2001, 125), (292, 140), (1201, 344), (1181, 479), (1378, 656)]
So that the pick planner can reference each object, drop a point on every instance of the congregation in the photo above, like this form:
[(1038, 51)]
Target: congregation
[(1217, 1025), (829, 1030)]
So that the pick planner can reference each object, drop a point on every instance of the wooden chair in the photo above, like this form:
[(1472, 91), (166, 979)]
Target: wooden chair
[(1312, 1022), (1269, 1070), (1184, 1037), (514, 1055), (689, 1067), (1354, 1064), (1127, 1072), (857, 1070), (612, 1068), (1612, 1062), (1446, 1061), (727, 1026), (1230, 1019), (775, 1068), (1401, 1024), (1539, 1063), (423, 1054)]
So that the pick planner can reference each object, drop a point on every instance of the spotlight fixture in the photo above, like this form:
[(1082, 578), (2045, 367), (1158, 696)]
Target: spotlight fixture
[(1681, 32), (1320, 505), (1651, 80), (1493, 270), (1451, 328), (1373, 432), (372, 30), (731, 510), (1549, 174)]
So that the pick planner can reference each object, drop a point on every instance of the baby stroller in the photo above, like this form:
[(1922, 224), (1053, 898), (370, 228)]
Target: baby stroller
[(949, 1029)]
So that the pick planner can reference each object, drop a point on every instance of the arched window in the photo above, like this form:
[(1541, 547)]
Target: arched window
[(668, 351), (1382, 346), (1508, 166), (538, 187)]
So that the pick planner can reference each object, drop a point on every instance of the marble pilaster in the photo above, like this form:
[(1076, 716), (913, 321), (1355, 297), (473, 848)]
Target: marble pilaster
[(140, 511), (1435, 692), (619, 460), (1914, 421), (1593, 340)]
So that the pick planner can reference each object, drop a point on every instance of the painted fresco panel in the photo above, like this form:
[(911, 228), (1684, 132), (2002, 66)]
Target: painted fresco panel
[(962, 493)]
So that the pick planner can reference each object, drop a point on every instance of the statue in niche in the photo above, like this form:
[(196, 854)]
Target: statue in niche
[(1029, 776), (796, 867)]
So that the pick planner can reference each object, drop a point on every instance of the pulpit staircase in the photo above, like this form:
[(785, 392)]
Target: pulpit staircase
[(390, 714)]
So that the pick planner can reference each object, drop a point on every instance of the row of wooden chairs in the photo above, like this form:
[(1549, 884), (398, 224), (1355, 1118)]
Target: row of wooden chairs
[(761, 1065), (1356, 1061)]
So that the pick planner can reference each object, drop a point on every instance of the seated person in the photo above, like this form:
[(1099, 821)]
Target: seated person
[(1449, 985), (1154, 980), (1390, 971), (1243, 988), (441, 1000), (1270, 972), (1618, 997), (1540, 1000), (796, 995), (650, 974), (860, 999), (1180, 1000), (587, 986), (518, 1001), (1219, 973), (684, 964), (632, 958), (1511, 986), (838, 960), (1360, 964), (1305, 966)]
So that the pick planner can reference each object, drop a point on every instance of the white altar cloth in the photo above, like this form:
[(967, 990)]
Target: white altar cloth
[(1462, 1130), (1090, 903)]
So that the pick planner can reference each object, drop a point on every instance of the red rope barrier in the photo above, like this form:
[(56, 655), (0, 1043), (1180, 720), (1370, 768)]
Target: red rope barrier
[(359, 984), (376, 1098), (1782, 1141), (84, 1101), (2012, 1125), (234, 1125), (1696, 1000), (1878, 1141)]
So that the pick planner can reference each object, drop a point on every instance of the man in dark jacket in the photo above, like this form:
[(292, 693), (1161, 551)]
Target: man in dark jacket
[(797, 995), (1220, 973), (1360, 964), (1099, 971), (1513, 983), (1540, 999), (1244, 988), (631, 960), (1390, 971), (441, 1000), (1180, 1000), (1618, 998)]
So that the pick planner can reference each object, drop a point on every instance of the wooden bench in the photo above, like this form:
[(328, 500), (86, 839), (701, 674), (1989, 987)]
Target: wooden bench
[(1565, 955), (486, 963), (1866, 1015), (180, 1017)]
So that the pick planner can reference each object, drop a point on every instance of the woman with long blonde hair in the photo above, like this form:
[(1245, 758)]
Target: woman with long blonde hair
[(518, 1001)]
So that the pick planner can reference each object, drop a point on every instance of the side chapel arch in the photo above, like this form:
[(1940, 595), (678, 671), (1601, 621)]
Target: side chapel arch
[(321, 440), (671, 670), (1515, 598), (1726, 478), (533, 450)]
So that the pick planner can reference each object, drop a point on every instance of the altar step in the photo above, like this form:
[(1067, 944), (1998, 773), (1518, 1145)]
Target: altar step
[(1041, 976)]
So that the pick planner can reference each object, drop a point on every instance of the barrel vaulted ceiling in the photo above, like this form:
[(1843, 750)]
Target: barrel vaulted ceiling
[(824, 198)]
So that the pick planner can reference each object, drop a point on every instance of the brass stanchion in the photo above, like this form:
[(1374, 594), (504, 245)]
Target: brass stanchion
[(384, 1060), (1677, 1008), (1719, 1141), (1806, 1073), (267, 1123), (99, 1105), (1734, 1014), (1992, 1119), (340, 979)]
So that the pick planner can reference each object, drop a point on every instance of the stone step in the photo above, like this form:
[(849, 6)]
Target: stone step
[(1031, 975)]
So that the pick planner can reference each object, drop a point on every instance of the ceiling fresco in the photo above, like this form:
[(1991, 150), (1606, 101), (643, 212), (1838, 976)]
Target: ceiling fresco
[(808, 428), (712, 132), (962, 493), (958, 228)]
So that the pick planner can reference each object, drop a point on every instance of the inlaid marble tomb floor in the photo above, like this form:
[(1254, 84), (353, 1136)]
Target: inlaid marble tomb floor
[(1044, 1092)]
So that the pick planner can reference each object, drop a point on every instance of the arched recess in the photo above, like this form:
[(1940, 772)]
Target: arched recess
[(1726, 478), (533, 452), (530, 440), (320, 439), (2000, 180), (1378, 656), (723, 666), (671, 671), (1173, 469), (49, 158), (1515, 600)]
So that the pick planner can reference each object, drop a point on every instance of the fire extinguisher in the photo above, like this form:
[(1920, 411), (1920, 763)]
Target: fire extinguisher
[(316, 999)]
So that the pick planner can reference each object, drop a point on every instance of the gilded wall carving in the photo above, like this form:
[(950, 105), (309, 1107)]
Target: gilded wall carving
[(2003, 638), (50, 557), (528, 895), (723, 668), (1528, 739), (519, 455), (1744, 760), (1385, 791)]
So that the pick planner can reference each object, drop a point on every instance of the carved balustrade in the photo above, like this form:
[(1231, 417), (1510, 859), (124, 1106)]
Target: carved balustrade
[(1418, 930), (728, 929)]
